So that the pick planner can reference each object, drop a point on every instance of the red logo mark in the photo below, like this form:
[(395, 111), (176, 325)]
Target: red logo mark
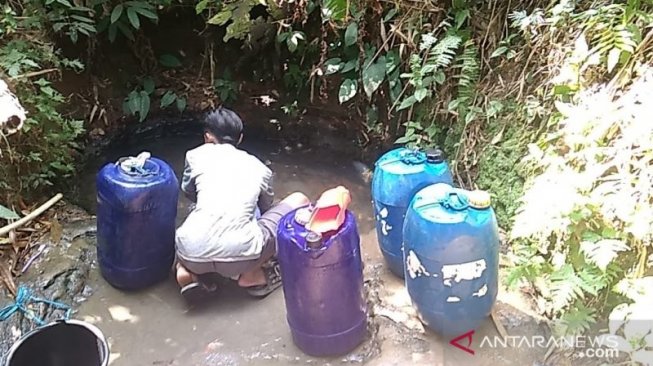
[(468, 336)]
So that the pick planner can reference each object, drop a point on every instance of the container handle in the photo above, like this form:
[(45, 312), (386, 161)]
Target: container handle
[(455, 201), (136, 165), (413, 157)]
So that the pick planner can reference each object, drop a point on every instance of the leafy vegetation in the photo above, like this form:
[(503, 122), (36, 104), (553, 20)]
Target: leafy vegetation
[(44, 152), (138, 102), (595, 235)]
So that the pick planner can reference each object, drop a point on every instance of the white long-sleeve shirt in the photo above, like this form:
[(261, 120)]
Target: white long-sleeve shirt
[(227, 184)]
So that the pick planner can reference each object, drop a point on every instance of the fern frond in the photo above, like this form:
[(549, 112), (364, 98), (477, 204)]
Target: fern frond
[(442, 53), (428, 40), (592, 280), (610, 37), (612, 273), (469, 71), (603, 252), (575, 321), (522, 273), (566, 287)]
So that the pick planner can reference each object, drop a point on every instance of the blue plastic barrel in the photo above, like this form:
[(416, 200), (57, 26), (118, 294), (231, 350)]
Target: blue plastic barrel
[(136, 213), (323, 286), (398, 175), (451, 244)]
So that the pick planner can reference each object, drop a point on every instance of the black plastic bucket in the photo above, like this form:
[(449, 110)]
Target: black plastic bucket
[(62, 343)]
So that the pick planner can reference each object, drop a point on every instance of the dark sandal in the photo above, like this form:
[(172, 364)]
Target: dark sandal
[(195, 292), (273, 277)]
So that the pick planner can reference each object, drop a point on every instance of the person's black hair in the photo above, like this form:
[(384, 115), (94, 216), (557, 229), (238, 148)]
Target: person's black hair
[(224, 124)]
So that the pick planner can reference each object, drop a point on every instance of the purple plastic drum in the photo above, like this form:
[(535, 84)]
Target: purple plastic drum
[(323, 286)]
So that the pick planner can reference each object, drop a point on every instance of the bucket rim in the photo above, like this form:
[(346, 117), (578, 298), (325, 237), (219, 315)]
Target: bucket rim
[(92, 328)]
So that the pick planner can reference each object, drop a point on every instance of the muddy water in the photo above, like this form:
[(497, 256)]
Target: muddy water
[(154, 326)]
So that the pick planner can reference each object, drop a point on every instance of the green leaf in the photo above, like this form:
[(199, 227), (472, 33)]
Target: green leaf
[(292, 44), (293, 41), (392, 60), (334, 9), (220, 18), (169, 60), (348, 66), (116, 13), (168, 98), (133, 18), (396, 85), (609, 233), (499, 51), (181, 104), (351, 34), (201, 6), (135, 4), (591, 236), (146, 13), (283, 36), (562, 90), (372, 116), (407, 103), (373, 77), (7, 214), (125, 30), (126, 108), (133, 102), (86, 28), (65, 3), (420, 94), (73, 35), (391, 14), (453, 105), (148, 85), (144, 107), (348, 90), (238, 29), (469, 117), (613, 58), (332, 65), (405, 139), (439, 77), (461, 16)]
